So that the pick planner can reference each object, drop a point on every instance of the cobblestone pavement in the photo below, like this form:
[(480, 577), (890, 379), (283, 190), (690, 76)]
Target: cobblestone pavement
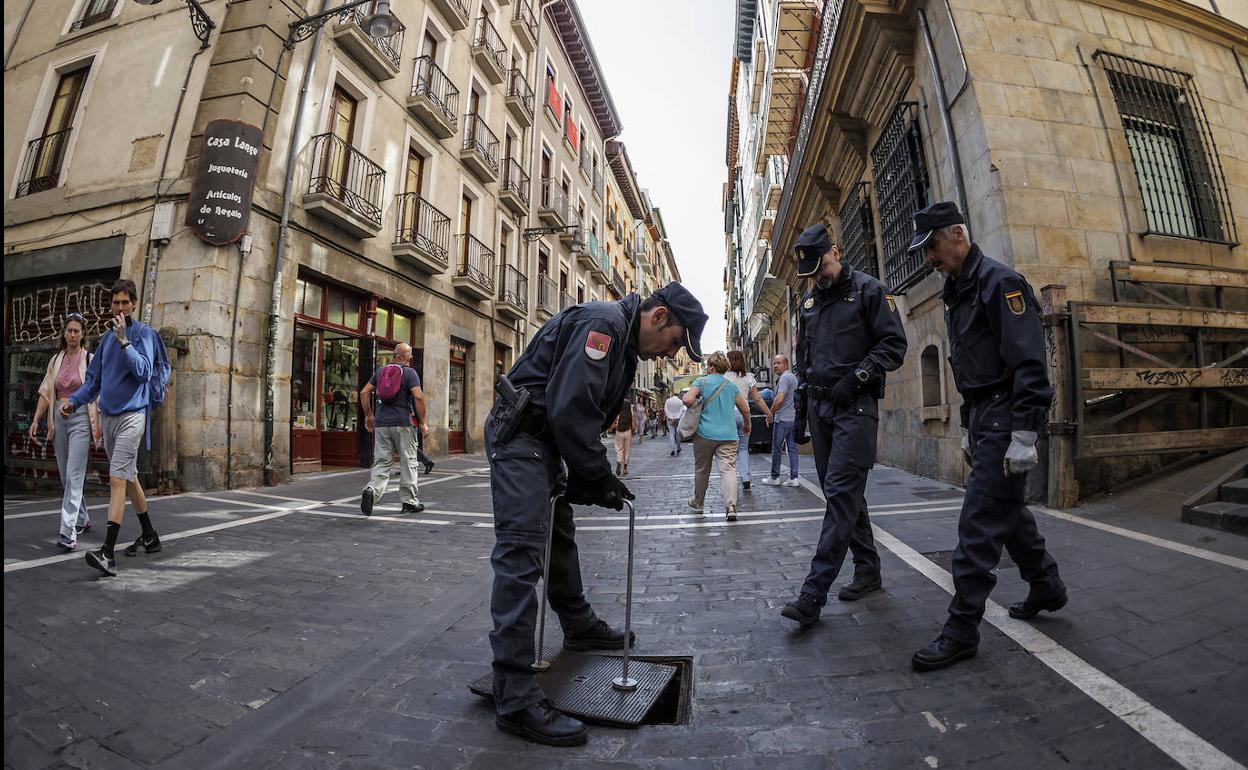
[(279, 629)]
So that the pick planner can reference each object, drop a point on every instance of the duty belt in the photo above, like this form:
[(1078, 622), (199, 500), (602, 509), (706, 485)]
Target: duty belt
[(534, 424), (818, 393)]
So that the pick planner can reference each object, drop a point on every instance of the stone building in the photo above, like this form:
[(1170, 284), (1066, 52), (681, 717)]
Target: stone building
[(1098, 146), (398, 173)]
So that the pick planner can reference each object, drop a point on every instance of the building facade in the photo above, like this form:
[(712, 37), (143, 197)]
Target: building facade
[(1099, 148), (408, 189)]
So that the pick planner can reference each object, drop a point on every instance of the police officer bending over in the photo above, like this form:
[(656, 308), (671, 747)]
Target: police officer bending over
[(997, 351), (542, 440), (848, 335)]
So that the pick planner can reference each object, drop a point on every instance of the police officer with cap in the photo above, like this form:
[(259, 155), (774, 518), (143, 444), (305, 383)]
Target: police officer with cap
[(542, 440), (849, 335), (997, 350)]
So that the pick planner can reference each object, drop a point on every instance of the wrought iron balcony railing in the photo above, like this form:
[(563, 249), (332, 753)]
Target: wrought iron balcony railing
[(565, 300), (553, 197), (598, 181), (390, 45), (481, 140), (514, 287), (422, 224), (476, 261), (515, 180), (44, 157), (94, 12), (344, 172), (487, 39), (523, 13), (519, 88), (431, 82), (547, 294)]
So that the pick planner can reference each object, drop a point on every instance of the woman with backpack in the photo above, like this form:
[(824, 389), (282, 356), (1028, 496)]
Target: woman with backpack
[(716, 437), (71, 436)]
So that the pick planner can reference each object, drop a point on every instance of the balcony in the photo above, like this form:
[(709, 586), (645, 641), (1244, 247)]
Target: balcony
[(600, 267), (378, 55), (565, 300), (423, 239), (552, 209), (576, 233), (345, 187), (44, 158), (514, 191), (454, 11), (598, 182), (586, 171), (520, 98), (547, 297), (489, 52), (94, 12), (480, 150), (524, 25), (583, 246), (513, 293), (434, 100), (571, 139), (474, 268), (554, 105), (617, 283)]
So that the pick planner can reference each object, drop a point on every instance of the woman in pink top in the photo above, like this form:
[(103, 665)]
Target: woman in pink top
[(71, 436)]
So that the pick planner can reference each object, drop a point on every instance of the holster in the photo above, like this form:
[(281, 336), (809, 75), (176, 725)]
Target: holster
[(509, 409)]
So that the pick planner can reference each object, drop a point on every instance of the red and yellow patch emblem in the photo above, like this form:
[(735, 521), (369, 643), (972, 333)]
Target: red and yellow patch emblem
[(892, 304), (1014, 301), (596, 345)]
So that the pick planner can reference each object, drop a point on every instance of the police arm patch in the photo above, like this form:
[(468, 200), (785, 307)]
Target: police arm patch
[(1014, 301), (596, 345), (892, 304)]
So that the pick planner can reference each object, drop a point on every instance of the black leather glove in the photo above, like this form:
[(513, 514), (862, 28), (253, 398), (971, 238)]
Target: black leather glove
[(800, 436), (845, 390), (604, 491)]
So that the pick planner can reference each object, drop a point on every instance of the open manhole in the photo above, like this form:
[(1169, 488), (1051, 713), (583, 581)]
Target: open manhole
[(579, 684)]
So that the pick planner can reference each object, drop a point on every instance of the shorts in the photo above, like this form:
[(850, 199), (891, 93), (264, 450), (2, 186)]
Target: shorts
[(122, 434)]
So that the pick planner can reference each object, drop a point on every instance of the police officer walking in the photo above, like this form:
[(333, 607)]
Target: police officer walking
[(848, 336), (542, 440), (997, 350)]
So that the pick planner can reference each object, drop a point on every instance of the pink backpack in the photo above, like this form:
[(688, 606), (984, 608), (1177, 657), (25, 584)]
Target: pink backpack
[(389, 382)]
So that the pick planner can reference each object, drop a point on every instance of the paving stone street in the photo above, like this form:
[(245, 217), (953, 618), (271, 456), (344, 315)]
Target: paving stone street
[(280, 629)]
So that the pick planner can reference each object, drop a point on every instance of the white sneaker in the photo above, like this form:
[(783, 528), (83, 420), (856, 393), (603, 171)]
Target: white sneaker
[(791, 483), (774, 481), (694, 505), (732, 513)]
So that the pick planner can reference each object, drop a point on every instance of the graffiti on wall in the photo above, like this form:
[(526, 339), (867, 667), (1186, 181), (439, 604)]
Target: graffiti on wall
[(37, 314)]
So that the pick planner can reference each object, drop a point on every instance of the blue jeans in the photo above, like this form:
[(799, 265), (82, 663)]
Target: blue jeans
[(781, 434), (743, 450)]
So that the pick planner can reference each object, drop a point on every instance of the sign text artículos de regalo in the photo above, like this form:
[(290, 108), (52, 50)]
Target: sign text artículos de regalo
[(220, 204)]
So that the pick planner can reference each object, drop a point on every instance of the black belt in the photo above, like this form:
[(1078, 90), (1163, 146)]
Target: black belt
[(818, 393), (980, 395)]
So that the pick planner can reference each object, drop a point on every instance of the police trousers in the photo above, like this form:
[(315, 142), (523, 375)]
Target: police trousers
[(843, 438), (994, 516), (525, 473)]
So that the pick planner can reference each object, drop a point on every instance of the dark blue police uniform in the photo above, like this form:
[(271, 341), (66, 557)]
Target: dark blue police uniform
[(848, 330), (576, 389), (997, 350)]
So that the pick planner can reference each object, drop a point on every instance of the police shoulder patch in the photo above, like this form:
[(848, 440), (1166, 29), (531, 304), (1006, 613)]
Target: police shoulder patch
[(596, 345), (809, 303), (1014, 301), (892, 304)]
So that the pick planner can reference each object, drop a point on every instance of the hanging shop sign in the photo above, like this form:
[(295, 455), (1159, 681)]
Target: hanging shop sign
[(220, 203)]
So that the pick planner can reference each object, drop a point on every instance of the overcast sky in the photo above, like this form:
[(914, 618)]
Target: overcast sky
[(667, 64)]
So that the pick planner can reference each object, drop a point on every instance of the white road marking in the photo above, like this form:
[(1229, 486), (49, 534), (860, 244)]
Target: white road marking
[(1190, 550), (57, 510), (275, 497)]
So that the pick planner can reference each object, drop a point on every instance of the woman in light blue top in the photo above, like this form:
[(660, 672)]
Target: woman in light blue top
[(717, 432)]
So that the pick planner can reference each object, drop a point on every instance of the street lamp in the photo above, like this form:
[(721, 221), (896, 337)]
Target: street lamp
[(200, 23), (378, 24)]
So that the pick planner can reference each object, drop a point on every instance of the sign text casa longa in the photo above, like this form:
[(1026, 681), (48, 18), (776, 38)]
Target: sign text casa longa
[(220, 204)]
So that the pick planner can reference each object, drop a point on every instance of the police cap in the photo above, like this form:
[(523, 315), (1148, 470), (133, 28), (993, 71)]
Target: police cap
[(933, 218), (812, 244), (688, 312)]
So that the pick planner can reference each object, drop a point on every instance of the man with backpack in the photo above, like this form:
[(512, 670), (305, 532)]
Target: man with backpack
[(398, 397), (129, 374)]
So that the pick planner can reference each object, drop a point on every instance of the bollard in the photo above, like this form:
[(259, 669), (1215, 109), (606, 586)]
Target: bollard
[(624, 682), (539, 663)]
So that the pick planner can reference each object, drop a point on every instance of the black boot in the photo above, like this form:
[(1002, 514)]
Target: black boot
[(804, 609), (1026, 610), (366, 502), (941, 653), (860, 587), (599, 636), (543, 723)]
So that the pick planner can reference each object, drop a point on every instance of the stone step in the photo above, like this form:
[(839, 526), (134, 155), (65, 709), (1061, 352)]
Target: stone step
[(1227, 517), (1234, 491)]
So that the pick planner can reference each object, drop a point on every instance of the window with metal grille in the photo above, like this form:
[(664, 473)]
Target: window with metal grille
[(901, 189), (1176, 163), (858, 231)]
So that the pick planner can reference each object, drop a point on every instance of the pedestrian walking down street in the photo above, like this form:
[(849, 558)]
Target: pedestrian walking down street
[(783, 430), (565, 390), (996, 347), (652, 421), (673, 408), (623, 439), (745, 382), (421, 429), (716, 438), (71, 436), (849, 335), (128, 375), (639, 421), (398, 397)]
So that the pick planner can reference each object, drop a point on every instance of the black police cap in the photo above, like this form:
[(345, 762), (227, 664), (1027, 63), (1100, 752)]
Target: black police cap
[(812, 244), (933, 218), (688, 312)]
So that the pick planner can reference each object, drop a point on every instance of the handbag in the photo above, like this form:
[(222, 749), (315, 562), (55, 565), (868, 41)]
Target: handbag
[(688, 427)]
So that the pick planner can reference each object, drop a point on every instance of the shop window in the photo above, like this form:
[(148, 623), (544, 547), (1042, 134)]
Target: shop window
[(401, 328), (308, 297)]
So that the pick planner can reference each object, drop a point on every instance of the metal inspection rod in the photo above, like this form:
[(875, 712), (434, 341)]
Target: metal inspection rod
[(624, 682), (540, 663)]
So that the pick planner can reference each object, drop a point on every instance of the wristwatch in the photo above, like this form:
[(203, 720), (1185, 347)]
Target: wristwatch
[(862, 374), (125, 344)]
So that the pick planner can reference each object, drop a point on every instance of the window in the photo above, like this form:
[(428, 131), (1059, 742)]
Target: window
[(308, 298), (327, 304), (858, 231), (1176, 162), (930, 365), (45, 154), (901, 189), (94, 12)]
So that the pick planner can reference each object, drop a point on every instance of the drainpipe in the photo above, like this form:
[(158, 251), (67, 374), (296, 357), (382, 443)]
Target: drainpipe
[(945, 118), (270, 359)]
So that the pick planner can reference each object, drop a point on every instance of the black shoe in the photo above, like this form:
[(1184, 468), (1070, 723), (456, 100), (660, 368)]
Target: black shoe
[(941, 653), (860, 587), (428, 468), (543, 723), (366, 502), (80, 529), (409, 508), (599, 636), (103, 563), (150, 545), (673, 453), (745, 485), (1026, 610), (804, 609)]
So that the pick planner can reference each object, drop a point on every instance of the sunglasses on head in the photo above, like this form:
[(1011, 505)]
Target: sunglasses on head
[(75, 317)]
